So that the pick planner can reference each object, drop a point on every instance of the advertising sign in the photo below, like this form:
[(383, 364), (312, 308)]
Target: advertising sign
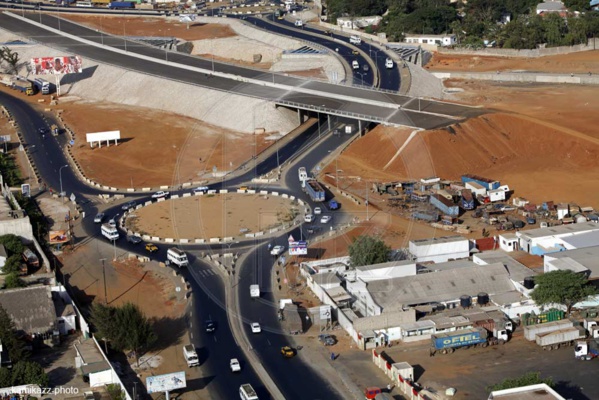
[(325, 312), (58, 237), (298, 248), (166, 382), (56, 65), (26, 190)]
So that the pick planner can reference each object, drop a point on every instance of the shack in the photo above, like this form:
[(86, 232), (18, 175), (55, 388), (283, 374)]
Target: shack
[(292, 321)]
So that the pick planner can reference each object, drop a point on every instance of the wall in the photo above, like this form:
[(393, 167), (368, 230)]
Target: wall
[(100, 378), (522, 77), (548, 51)]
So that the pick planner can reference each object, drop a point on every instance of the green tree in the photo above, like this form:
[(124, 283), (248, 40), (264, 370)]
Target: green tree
[(12, 59), (29, 372), (115, 392), (12, 281), (561, 287), (367, 250), (12, 264), (12, 243), (8, 337), (125, 327), (5, 377), (530, 378), (577, 5)]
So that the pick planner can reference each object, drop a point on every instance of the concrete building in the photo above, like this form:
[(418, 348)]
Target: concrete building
[(92, 365), (438, 40), (388, 270), (532, 392), (551, 7), (547, 240), (358, 22), (440, 249), (508, 242), (585, 260)]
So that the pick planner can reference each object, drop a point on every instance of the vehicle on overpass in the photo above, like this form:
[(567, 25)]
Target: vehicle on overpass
[(247, 392), (256, 327), (389, 63), (235, 366), (177, 257), (160, 194), (277, 250), (151, 247)]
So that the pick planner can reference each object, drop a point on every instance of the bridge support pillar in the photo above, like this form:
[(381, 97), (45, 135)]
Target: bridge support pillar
[(329, 121), (300, 116), (360, 127)]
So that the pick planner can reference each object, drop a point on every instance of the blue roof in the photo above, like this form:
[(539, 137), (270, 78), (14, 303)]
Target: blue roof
[(594, 3)]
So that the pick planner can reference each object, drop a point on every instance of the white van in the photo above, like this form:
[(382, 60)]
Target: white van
[(247, 392), (109, 232), (355, 64), (355, 39), (389, 63), (177, 257)]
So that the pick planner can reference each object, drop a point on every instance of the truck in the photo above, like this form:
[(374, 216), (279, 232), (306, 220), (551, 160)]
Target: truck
[(425, 216), (247, 392), (177, 257), (562, 337), (467, 201), (120, 5), (7, 79), (42, 85), (30, 258), (586, 350), (465, 338), (314, 190), (109, 232), (292, 321), (23, 85), (254, 291), (303, 175), (592, 327), (531, 331), (189, 352)]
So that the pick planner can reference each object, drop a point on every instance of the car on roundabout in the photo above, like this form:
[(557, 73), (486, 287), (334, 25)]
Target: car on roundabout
[(235, 366), (133, 239), (287, 352), (160, 194), (277, 250), (151, 247), (256, 327)]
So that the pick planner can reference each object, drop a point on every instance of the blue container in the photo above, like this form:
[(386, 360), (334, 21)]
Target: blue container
[(464, 337)]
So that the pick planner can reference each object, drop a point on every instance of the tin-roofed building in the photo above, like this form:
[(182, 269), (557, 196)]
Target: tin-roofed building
[(440, 249), (547, 240)]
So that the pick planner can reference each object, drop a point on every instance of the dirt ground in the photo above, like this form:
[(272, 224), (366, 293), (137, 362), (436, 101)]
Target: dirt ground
[(578, 63), (150, 158), (149, 26), (212, 216)]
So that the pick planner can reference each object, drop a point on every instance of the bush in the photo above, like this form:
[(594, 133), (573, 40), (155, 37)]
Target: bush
[(12, 265), (13, 281)]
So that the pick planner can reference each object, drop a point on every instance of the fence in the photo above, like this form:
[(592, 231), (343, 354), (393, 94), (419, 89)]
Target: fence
[(400, 376)]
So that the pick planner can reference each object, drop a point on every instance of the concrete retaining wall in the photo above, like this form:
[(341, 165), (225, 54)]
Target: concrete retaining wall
[(592, 44), (528, 77)]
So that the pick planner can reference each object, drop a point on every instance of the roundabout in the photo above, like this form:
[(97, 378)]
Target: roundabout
[(226, 215)]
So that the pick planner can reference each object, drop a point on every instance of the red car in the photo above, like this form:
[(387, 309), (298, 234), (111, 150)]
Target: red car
[(371, 392)]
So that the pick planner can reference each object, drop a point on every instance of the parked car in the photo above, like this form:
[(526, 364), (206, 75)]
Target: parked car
[(371, 392), (317, 210), (151, 247), (326, 339), (201, 189), (256, 327), (235, 366), (277, 250), (160, 194), (210, 326), (287, 352), (309, 218), (99, 218), (129, 205), (325, 219), (133, 239)]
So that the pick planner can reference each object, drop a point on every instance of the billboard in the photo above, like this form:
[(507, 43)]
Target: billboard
[(26, 190), (56, 65), (58, 237), (166, 382), (298, 248)]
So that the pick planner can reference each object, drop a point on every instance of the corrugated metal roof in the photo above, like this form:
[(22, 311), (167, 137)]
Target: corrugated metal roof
[(441, 286), (568, 263), (443, 239), (385, 320), (558, 230), (587, 239), (587, 257), (516, 270)]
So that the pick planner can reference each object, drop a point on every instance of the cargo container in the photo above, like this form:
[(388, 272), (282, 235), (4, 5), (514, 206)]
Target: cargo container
[(562, 337), (467, 200), (445, 206), (121, 5), (488, 184), (429, 217), (465, 338), (24, 85), (314, 190), (531, 331)]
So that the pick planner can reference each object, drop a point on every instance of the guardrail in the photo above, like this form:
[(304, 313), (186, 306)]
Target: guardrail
[(326, 110)]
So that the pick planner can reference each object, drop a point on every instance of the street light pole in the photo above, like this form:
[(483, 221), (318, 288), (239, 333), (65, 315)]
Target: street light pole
[(60, 178)]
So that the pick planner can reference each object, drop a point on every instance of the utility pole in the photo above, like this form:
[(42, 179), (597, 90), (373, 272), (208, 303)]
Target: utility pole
[(104, 276)]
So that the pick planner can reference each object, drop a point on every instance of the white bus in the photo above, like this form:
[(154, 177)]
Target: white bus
[(247, 392), (84, 4), (110, 232)]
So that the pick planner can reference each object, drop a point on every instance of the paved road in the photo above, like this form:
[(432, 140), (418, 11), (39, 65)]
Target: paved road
[(402, 109)]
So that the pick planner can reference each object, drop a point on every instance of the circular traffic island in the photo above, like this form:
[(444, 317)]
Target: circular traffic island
[(213, 216)]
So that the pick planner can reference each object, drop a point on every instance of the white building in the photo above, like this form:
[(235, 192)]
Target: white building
[(476, 188), (388, 270), (498, 194), (440, 249), (540, 392), (546, 240), (508, 241), (358, 22), (438, 40), (585, 260), (551, 7)]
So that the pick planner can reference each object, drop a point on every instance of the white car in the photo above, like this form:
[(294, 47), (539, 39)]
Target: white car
[(389, 63), (277, 250), (235, 366), (201, 189), (325, 219), (112, 222), (99, 218), (160, 194), (309, 218), (256, 327), (317, 210)]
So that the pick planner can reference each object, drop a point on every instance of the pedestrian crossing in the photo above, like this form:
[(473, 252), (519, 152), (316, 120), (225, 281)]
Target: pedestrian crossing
[(206, 273)]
